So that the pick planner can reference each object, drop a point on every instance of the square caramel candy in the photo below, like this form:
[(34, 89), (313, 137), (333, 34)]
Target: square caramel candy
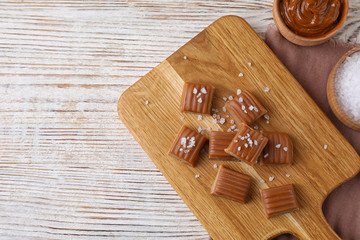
[(247, 145), (279, 149), (187, 146), (279, 200), (245, 108), (218, 141), (196, 98), (231, 184)]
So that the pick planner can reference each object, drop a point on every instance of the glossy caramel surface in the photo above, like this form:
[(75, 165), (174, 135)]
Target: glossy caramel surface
[(218, 141), (311, 18)]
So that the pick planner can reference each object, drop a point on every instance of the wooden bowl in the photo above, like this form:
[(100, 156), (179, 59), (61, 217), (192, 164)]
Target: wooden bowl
[(331, 95), (306, 41)]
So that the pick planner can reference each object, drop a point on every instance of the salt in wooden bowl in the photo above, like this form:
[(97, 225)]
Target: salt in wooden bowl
[(332, 96)]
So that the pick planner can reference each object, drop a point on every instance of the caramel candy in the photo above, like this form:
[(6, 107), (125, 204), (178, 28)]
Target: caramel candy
[(196, 98), (279, 200), (187, 146), (218, 142), (245, 108), (247, 145), (231, 184), (279, 149)]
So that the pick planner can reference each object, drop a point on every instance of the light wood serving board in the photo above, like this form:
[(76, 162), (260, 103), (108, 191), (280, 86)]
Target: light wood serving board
[(216, 56)]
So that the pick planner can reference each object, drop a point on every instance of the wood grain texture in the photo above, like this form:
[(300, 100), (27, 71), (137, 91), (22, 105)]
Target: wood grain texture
[(215, 57), (69, 169)]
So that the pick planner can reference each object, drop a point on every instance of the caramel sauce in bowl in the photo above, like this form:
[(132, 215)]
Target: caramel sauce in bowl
[(309, 22)]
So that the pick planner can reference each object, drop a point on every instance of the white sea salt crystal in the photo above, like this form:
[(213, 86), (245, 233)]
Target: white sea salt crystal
[(242, 107), (266, 155), (180, 149), (227, 116), (238, 92), (215, 121), (347, 86), (267, 122), (249, 63), (198, 95), (251, 107), (245, 111), (255, 142), (241, 99), (200, 117), (256, 127), (267, 89), (222, 120), (197, 176), (182, 117), (225, 99), (241, 74), (246, 145), (256, 109), (229, 130), (271, 178), (203, 90), (233, 127), (183, 141), (215, 165), (214, 110), (267, 117), (195, 91), (199, 129), (239, 149), (236, 130), (146, 102), (185, 57), (232, 121), (262, 180), (325, 147), (230, 98), (285, 149), (287, 175), (224, 109), (199, 100), (278, 145)]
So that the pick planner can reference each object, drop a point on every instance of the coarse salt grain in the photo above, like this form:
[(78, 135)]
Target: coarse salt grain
[(225, 99), (229, 130), (215, 121), (285, 149), (182, 117), (256, 127), (214, 110), (239, 149), (199, 129), (246, 145), (199, 100), (241, 74), (198, 95), (235, 140), (251, 107), (232, 121), (267, 89), (222, 120), (325, 147), (249, 63), (195, 91), (266, 155), (262, 181), (197, 176), (266, 116), (233, 127), (241, 99), (347, 86), (215, 165), (224, 109), (278, 145), (238, 92), (287, 175), (227, 116), (267, 122), (203, 90), (255, 142), (230, 98), (200, 117), (185, 57), (236, 130), (146, 102), (271, 178)]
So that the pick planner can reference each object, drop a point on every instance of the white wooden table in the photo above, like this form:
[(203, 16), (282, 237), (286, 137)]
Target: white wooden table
[(69, 169)]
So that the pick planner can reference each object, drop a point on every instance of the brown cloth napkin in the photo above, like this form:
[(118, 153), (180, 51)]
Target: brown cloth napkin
[(311, 67)]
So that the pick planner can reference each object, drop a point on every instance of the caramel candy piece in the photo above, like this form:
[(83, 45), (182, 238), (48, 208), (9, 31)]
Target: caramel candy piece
[(218, 142), (279, 200), (231, 185), (196, 98), (245, 108), (247, 145), (187, 145), (279, 149)]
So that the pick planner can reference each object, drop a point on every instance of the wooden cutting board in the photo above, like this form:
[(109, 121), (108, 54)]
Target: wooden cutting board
[(216, 56)]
